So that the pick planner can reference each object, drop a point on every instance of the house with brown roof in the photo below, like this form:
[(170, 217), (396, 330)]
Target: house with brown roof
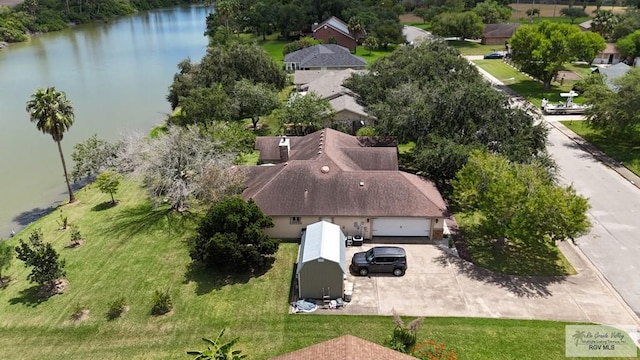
[(334, 30), (345, 347), (332, 176), (327, 84), (498, 34)]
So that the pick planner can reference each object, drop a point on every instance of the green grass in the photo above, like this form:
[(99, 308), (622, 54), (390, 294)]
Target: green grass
[(518, 259), (531, 89), (418, 24), (249, 159), (474, 48), (133, 249), (406, 148), (622, 148), (371, 56)]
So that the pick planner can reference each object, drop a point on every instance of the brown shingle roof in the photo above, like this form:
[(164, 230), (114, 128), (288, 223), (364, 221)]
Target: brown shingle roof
[(500, 30), (342, 178), (346, 347)]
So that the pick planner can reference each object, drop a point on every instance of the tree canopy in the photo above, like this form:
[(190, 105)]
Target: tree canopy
[(610, 111), (492, 13), (542, 49), (305, 114), (518, 202), (232, 236), (629, 45), (465, 25), (44, 260), (204, 90), (430, 95)]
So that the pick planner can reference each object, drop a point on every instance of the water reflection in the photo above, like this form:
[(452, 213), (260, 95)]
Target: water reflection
[(116, 74)]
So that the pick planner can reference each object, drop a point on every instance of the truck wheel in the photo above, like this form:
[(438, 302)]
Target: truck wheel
[(364, 271), (398, 272)]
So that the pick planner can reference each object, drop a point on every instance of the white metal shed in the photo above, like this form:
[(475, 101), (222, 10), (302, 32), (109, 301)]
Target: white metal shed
[(321, 262)]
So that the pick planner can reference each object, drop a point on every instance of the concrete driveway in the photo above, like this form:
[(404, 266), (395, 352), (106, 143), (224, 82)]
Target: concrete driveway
[(438, 284)]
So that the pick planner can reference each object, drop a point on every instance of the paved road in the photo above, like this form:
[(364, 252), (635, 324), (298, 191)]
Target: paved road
[(613, 245)]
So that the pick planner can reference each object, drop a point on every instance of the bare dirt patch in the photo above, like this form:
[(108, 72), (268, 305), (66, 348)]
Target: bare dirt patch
[(550, 10), (410, 18), (10, 2), (80, 315), (58, 287), (74, 244), (568, 75)]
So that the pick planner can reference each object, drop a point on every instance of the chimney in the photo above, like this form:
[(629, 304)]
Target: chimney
[(285, 147)]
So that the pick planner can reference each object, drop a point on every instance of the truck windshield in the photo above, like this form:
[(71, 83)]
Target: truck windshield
[(369, 255)]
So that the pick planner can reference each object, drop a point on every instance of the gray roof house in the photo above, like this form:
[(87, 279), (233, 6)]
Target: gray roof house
[(327, 84), (332, 176), (613, 72), (322, 262), (323, 56)]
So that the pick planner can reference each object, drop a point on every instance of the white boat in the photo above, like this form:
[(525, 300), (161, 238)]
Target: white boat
[(568, 107)]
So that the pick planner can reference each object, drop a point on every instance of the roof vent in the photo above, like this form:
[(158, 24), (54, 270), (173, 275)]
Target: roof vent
[(361, 183), (319, 152), (325, 169)]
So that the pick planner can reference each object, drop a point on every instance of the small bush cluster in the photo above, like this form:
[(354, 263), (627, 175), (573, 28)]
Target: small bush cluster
[(403, 338), (162, 302), (431, 350), (117, 308)]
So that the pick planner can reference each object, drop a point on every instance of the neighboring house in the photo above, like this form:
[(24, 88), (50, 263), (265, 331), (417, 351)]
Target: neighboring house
[(498, 34), (345, 347), (327, 84), (333, 176), (334, 30), (322, 263), (322, 57), (610, 55), (586, 26), (613, 72)]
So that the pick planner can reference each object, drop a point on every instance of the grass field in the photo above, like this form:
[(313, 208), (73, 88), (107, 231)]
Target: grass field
[(531, 89), (473, 48), (549, 10), (133, 249), (625, 149)]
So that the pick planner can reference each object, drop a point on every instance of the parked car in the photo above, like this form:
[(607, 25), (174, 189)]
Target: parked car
[(494, 55), (380, 259)]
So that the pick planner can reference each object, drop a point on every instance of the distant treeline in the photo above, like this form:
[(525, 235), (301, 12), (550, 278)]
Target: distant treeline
[(38, 16)]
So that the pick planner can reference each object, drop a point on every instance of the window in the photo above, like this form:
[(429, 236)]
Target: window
[(295, 220)]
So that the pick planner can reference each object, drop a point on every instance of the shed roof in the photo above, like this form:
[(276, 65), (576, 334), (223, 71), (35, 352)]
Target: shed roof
[(613, 72), (322, 240)]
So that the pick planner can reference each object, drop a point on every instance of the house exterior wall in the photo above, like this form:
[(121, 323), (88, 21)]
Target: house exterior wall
[(326, 32), (350, 225), (284, 229), (603, 58), (316, 276)]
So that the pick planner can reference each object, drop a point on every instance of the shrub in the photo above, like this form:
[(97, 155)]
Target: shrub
[(403, 338), (75, 233), (162, 302), (300, 44), (47, 267), (367, 131), (117, 308)]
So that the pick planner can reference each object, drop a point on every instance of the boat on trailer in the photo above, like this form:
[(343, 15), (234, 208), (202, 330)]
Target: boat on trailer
[(567, 107)]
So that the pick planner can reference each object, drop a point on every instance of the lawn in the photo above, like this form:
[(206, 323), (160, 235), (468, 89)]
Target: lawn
[(622, 148), (133, 249), (531, 89), (518, 259), (474, 48)]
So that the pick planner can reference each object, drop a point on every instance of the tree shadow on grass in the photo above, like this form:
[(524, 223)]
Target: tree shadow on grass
[(31, 297), (520, 286), (145, 218), (27, 217), (104, 206), (519, 259), (207, 279)]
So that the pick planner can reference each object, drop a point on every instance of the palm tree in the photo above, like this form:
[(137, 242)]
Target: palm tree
[(356, 27), (53, 115)]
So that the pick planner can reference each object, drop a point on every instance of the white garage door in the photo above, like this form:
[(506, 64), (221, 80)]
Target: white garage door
[(400, 226)]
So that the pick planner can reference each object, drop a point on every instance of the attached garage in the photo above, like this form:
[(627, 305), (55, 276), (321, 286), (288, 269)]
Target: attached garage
[(321, 262), (401, 226)]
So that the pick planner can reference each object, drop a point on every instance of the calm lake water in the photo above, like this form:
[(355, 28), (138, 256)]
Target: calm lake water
[(116, 75)]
